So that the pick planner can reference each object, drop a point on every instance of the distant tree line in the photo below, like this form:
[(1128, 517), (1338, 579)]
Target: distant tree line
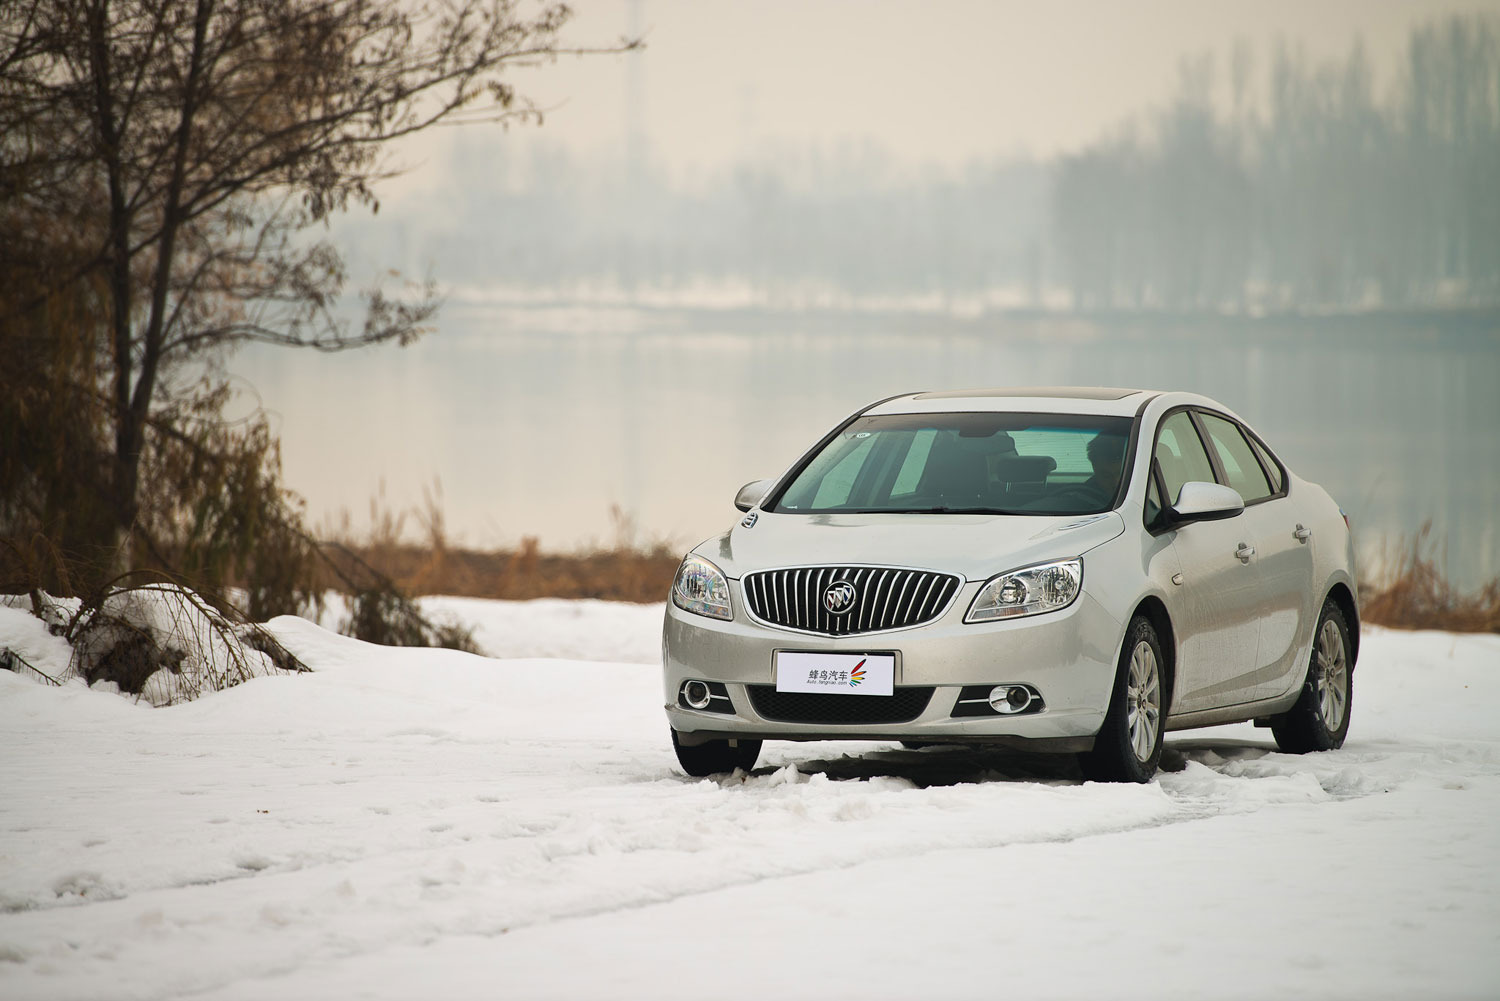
[(1284, 183), (1327, 196), (847, 222)]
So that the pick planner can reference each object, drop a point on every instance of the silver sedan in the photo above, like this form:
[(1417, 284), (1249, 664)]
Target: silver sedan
[(1067, 570)]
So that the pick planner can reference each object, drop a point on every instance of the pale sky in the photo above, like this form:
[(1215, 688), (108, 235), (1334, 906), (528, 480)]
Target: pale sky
[(935, 82)]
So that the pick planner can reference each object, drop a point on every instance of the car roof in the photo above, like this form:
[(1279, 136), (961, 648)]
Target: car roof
[(1040, 399)]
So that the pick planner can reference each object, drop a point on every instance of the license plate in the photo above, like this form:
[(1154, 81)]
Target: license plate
[(836, 673)]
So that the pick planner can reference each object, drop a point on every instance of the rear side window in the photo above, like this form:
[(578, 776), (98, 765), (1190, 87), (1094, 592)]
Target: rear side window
[(1241, 467), (1278, 481), (1180, 454), (1066, 447)]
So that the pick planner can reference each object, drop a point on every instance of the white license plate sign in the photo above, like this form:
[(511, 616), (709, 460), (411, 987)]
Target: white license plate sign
[(836, 673)]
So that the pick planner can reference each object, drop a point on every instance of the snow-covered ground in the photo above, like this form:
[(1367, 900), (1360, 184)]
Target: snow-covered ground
[(429, 824)]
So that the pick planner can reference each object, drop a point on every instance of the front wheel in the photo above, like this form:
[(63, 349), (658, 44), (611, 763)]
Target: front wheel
[(1320, 719), (1128, 747), (714, 756)]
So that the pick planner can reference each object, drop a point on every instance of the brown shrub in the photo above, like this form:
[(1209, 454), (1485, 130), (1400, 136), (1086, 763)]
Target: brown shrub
[(1413, 594), (1416, 594), (615, 575), (628, 569)]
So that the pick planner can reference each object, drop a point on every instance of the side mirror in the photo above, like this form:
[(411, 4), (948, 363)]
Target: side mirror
[(751, 493), (1200, 501)]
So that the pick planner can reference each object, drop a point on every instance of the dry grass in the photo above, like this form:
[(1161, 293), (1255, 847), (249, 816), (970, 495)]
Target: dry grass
[(1416, 594), (615, 574), (626, 570)]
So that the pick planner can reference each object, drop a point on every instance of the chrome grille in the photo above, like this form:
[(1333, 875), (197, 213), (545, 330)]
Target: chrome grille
[(887, 598)]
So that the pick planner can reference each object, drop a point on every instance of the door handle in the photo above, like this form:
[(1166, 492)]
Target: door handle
[(1302, 534), (1245, 552)]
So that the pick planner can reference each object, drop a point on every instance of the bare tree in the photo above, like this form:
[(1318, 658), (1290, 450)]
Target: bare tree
[(162, 162)]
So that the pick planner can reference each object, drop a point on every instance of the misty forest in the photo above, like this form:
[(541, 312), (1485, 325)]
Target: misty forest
[(1271, 181)]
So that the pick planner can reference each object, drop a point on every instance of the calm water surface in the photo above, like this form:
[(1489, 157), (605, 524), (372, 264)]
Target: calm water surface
[(537, 420)]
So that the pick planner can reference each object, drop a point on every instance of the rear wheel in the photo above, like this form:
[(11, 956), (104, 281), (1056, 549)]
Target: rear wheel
[(1320, 719), (714, 756), (1128, 747)]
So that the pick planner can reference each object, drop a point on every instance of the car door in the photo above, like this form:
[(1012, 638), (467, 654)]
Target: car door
[(1215, 606), (1283, 560)]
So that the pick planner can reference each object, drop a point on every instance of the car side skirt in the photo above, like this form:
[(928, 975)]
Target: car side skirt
[(1242, 713)]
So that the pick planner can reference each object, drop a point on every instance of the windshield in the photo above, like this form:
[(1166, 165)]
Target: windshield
[(972, 463)]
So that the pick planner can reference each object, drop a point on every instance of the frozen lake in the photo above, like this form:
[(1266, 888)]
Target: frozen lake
[(538, 418)]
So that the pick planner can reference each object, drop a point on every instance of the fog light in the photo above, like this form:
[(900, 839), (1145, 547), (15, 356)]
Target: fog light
[(695, 694), (1010, 699)]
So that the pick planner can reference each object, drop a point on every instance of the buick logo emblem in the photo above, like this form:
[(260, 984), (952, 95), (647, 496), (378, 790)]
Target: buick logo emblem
[(840, 597)]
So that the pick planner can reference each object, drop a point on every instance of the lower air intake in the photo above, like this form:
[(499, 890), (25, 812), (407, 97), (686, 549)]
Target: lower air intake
[(813, 707)]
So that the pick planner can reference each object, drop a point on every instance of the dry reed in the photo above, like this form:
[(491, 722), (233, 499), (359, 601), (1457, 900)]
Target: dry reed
[(1415, 593), (626, 570)]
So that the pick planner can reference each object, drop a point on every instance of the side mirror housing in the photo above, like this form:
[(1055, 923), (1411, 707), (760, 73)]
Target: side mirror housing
[(751, 493), (1200, 501)]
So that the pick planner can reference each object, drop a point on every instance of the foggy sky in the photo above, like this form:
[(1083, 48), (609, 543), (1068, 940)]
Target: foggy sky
[(940, 82)]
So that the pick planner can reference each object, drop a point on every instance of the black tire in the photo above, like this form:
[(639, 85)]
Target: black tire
[(1320, 719), (715, 756), (1128, 747)]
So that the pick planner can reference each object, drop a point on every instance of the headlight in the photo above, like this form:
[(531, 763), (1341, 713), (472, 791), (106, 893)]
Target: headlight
[(1042, 588), (701, 588)]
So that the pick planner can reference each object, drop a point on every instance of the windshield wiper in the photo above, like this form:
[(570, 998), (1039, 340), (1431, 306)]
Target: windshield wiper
[(955, 510)]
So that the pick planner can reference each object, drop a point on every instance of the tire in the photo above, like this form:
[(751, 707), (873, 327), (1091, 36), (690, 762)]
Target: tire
[(715, 756), (1128, 747), (1320, 719)]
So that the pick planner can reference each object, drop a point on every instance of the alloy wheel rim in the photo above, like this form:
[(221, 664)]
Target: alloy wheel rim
[(1143, 701), (1331, 683)]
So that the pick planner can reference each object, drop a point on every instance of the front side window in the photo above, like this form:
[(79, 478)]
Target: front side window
[(1241, 467), (973, 463), (1180, 454)]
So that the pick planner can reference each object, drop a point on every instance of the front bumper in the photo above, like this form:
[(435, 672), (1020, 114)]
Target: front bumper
[(1067, 656)]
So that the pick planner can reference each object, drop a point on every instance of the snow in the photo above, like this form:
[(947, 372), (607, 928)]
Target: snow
[(162, 622), (558, 627), (426, 823)]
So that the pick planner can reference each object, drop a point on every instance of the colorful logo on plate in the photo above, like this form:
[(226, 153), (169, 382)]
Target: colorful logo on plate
[(857, 675)]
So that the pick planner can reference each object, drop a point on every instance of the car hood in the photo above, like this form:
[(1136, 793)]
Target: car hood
[(976, 546)]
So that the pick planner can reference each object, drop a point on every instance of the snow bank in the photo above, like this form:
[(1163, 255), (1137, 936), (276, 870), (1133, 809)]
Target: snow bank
[(160, 643)]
